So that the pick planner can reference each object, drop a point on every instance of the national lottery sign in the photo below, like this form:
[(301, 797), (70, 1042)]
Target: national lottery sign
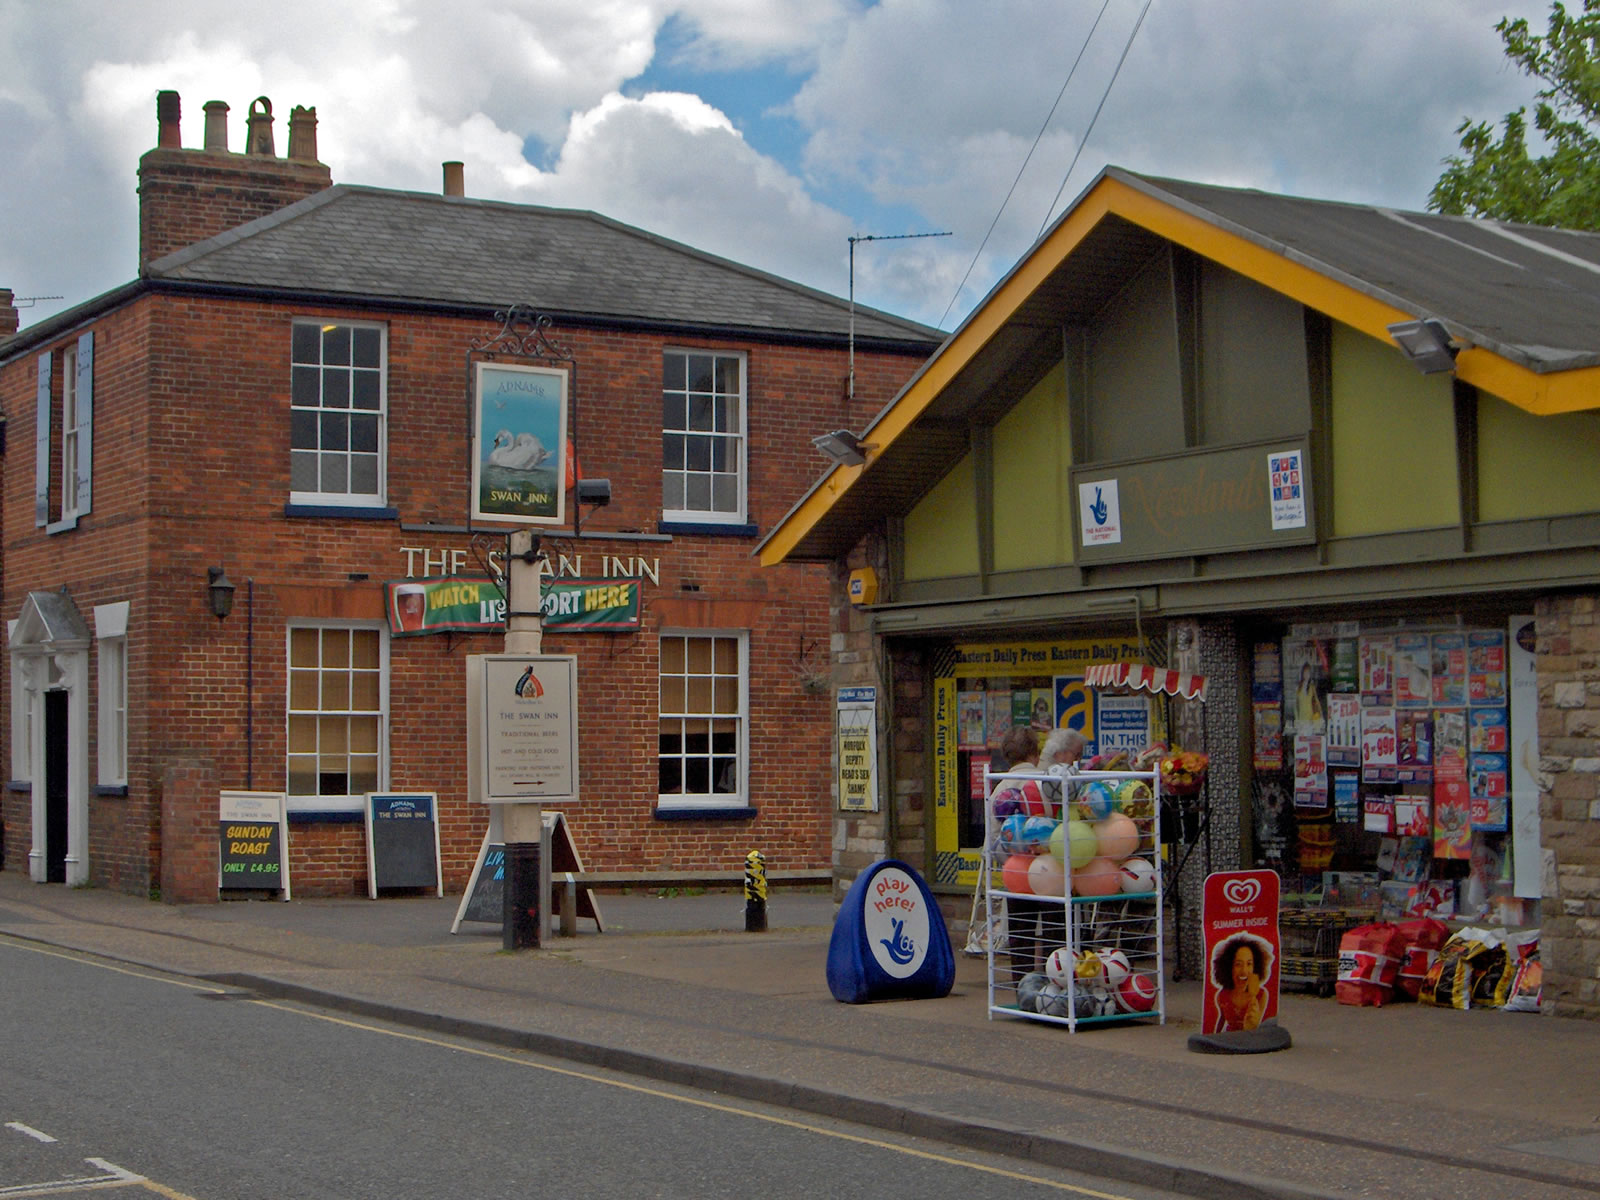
[(459, 604)]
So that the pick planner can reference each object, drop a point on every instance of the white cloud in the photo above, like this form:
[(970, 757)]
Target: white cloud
[(916, 111)]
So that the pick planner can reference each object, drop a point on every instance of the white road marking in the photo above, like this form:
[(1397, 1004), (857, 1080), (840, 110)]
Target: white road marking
[(35, 1134)]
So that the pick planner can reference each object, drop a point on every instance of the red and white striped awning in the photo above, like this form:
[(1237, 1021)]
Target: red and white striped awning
[(1137, 677)]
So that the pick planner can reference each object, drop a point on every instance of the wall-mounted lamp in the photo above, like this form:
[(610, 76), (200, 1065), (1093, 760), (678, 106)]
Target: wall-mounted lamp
[(594, 491), (220, 590), (1426, 343), (843, 447)]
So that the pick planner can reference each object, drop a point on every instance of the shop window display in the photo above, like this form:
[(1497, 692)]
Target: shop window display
[(1384, 764)]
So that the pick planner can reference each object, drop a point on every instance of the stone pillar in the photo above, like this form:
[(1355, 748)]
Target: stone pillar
[(1568, 658)]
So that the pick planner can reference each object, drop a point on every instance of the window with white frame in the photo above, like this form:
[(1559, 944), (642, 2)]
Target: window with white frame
[(63, 482), (704, 701), (337, 715), (111, 650), (703, 437), (337, 413)]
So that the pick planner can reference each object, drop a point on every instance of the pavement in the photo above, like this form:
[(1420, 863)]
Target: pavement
[(1403, 1102)]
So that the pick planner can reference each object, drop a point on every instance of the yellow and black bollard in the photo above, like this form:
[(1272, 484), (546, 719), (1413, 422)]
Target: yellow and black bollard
[(755, 892)]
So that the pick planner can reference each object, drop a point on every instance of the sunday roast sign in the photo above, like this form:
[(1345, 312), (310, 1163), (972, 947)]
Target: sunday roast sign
[(519, 443)]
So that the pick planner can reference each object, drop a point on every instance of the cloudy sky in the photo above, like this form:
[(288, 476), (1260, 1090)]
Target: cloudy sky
[(769, 131)]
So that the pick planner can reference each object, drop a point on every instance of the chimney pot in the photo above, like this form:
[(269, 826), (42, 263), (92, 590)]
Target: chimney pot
[(217, 125), (303, 134), (455, 180), (258, 137), (168, 134)]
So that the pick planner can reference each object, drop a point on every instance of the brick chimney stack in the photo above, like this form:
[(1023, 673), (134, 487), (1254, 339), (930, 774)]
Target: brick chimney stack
[(186, 196), (9, 318)]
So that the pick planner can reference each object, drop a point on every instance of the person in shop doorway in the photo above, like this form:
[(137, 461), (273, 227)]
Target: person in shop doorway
[(1239, 972)]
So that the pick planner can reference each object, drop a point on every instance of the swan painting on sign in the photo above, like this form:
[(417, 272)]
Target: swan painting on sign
[(519, 432)]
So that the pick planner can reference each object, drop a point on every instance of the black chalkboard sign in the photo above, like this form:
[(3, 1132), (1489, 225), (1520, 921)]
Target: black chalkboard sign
[(402, 841), (485, 895), (252, 847), (486, 892)]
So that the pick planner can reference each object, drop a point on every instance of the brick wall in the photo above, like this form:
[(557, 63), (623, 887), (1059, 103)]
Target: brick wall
[(1568, 658), (192, 470), (189, 846)]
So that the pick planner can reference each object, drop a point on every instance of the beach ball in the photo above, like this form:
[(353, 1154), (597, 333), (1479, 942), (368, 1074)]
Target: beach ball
[(1096, 800), (1117, 836), (1032, 799), (1138, 875), (1134, 797), (1005, 801), (1011, 832), (1047, 877), (1074, 838), (1099, 877), (1114, 967), (1015, 873), (1137, 993), (1036, 834), (1058, 967)]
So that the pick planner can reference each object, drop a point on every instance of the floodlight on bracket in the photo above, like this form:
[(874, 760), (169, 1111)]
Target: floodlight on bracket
[(1426, 342), (843, 447)]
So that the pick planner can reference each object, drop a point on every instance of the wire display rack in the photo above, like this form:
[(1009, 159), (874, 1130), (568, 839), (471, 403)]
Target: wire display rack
[(1074, 858)]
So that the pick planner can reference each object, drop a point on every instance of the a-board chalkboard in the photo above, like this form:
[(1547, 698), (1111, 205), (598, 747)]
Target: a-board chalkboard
[(484, 899), (402, 841), (252, 842)]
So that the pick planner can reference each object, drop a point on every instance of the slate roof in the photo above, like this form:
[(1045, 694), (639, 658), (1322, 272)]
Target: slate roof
[(1528, 292), (364, 242)]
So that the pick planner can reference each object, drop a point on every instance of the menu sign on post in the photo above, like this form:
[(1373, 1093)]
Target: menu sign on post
[(526, 728), (253, 846)]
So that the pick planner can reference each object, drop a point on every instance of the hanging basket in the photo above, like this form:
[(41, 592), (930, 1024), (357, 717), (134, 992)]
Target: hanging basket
[(1184, 773)]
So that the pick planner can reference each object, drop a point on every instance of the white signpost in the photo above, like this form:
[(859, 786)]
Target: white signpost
[(523, 728)]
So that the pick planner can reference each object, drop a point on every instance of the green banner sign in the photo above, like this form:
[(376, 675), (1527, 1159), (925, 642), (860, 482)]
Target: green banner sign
[(457, 604)]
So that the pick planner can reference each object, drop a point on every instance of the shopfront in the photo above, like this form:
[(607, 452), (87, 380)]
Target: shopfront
[(1185, 430)]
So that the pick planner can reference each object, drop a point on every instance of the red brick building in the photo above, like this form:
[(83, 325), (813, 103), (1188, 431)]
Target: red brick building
[(284, 393)]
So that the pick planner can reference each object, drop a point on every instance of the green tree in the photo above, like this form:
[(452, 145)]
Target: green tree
[(1499, 178)]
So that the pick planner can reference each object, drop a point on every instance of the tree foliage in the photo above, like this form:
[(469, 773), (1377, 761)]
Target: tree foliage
[(1499, 178)]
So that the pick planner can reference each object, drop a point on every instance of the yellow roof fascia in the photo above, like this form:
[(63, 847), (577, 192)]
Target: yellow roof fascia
[(1567, 391)]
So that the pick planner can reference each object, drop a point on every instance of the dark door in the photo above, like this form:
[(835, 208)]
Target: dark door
[(55, 786)]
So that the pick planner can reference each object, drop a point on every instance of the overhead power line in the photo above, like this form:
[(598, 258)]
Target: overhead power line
[(1103, 96), (1037, 138)]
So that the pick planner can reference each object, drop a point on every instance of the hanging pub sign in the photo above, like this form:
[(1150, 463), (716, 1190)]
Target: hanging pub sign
[(457, 604), (519, 431), (253, 842)]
